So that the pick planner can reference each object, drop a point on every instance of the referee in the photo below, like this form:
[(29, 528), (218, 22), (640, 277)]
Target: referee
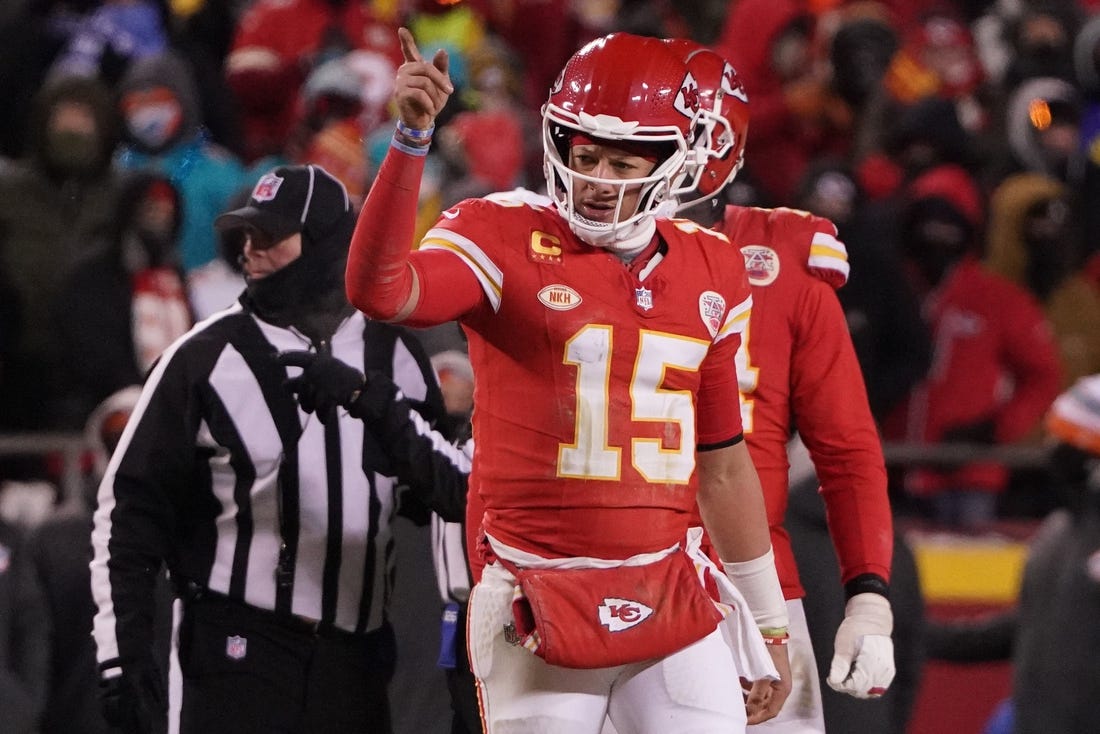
[(275, 526)]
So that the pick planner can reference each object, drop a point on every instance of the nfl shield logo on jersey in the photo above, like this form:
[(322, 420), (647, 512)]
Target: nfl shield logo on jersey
[(236, 647), (643, 297)]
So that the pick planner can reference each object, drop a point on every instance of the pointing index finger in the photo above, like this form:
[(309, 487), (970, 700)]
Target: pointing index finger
[(408, 45)]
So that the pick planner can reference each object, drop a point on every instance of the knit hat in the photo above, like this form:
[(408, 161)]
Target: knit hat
[(1074, 416), (291, 199)]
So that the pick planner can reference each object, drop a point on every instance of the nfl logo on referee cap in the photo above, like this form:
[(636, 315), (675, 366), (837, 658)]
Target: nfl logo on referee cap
[(236, 647)]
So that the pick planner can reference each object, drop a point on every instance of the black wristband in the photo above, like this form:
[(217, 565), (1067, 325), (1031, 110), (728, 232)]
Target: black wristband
[(867, 583)]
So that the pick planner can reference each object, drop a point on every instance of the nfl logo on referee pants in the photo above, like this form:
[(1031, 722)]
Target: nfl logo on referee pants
[(236, 647)]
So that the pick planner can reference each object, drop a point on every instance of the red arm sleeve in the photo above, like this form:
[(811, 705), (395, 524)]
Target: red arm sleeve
[(384, 279), (379, 282), (831, 412)]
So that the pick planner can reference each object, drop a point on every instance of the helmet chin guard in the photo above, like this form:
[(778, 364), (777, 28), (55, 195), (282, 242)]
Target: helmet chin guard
[(627, 89)]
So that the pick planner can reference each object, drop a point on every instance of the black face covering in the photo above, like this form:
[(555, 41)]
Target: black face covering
[(935, 237), (1049, 247), (159, 245), (308, 293)]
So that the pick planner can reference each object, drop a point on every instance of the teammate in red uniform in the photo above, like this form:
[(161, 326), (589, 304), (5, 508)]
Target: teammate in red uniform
[(798, 371), (602, 337)]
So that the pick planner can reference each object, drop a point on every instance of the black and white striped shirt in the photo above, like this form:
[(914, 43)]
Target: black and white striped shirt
[(222, 476)]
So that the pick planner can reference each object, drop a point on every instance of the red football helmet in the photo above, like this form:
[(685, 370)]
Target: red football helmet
[(723, 120), (625, 88)]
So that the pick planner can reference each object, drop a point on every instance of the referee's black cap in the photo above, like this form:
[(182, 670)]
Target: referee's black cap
[(290, 199)]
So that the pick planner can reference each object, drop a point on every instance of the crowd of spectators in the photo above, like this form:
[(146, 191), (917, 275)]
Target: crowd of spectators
[(956, 144)]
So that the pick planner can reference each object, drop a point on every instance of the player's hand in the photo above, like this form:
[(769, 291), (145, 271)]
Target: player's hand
[(863, 660), (325, 382), (421, 88), (765, 697)]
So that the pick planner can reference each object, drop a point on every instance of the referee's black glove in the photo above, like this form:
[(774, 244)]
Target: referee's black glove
[(327, 383), (134, 701)]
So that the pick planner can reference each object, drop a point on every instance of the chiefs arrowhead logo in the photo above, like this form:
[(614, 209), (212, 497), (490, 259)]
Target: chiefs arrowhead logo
[(622, 614)]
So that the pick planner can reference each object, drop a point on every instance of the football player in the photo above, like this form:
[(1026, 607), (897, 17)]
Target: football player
[(602, 336), (797, 370)]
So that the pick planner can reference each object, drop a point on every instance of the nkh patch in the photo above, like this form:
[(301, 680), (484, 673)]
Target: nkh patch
[(559, 297), (761, 264), (712, 309), (622, 614), (236, 647)]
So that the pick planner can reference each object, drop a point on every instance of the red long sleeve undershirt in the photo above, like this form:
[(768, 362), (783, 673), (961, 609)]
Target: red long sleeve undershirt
[(378, 279)]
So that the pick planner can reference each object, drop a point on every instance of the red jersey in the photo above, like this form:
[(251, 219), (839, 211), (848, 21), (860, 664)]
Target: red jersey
[(798, 371), (589, 376)]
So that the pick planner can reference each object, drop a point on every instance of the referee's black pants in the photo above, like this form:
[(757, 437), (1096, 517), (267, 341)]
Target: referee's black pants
[(245, 671)]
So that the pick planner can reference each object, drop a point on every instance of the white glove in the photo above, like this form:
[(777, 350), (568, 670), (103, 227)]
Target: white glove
[(863, 659)]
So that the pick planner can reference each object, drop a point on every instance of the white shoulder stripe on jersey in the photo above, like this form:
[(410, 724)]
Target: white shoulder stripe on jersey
[(829, 253), (488, 274), (737, 318)]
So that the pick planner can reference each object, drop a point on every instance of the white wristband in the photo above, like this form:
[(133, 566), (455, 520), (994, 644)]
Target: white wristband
[(758, 582)]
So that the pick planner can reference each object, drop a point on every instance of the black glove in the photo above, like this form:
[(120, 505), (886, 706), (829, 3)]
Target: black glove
[(325, 382), (135, 702), (377, 399)]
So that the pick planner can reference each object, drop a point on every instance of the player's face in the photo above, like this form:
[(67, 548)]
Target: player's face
[(598, 201)]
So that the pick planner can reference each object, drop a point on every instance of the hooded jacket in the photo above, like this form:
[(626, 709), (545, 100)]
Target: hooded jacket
[(49, 220), (121, 308), (206, 174), (1073, 306)]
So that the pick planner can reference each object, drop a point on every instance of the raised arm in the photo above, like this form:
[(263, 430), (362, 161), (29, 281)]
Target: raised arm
[(380, 281)]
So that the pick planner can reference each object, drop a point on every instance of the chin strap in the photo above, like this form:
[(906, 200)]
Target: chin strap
[(627, 241)]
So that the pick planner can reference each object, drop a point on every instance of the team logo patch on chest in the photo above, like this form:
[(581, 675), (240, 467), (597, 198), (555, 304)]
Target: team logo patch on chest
[(712, 309), (761, 264), (622, 614), (559, 297)]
